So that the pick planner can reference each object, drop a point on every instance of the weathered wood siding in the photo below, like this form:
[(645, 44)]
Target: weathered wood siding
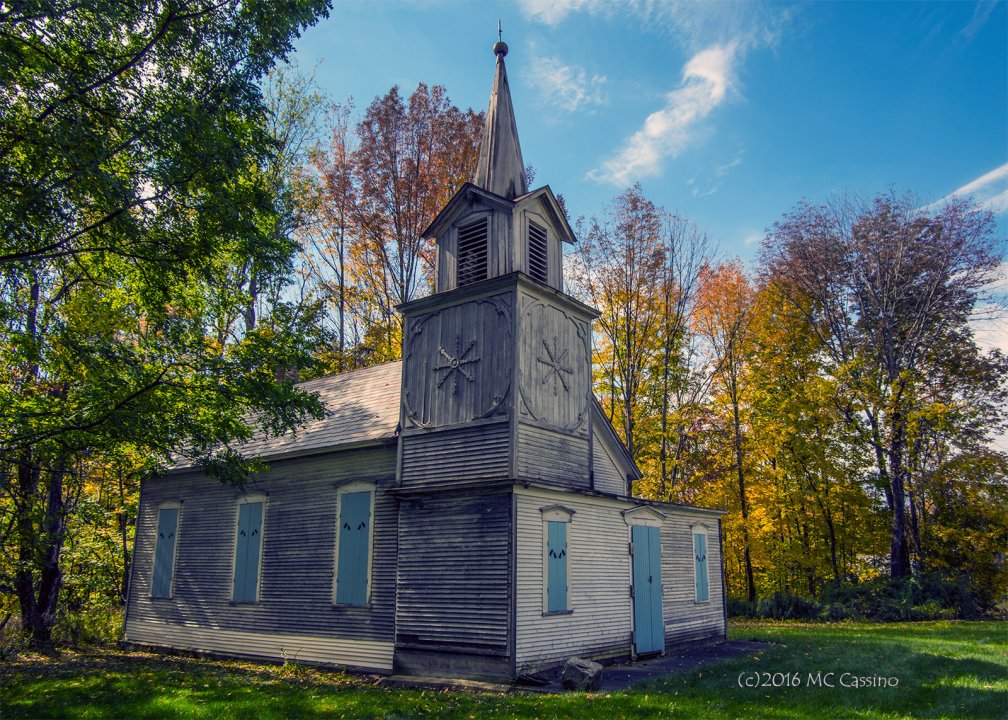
[(599, 624), (554, 361), (297, 566), (685, 619), (456, 455), (608, 476), (550, 456), (601, 621), (458, 362), (454, 573)]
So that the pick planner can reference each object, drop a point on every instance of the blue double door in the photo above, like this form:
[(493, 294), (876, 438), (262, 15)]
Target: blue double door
[(649, 625)]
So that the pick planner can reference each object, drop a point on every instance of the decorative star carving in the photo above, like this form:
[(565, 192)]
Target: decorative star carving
[(455, 364), (554, 362)]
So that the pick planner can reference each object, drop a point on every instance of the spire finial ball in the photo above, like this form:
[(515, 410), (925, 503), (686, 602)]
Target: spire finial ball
[(500, 48)]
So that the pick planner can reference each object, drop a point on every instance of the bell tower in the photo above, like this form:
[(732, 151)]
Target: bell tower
[(496, 390), (494, 226), (497, 362)]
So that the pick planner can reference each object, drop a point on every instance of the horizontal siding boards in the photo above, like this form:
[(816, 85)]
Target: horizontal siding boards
[(296, 586), (608, 478), (456, 455), (554, 457), (685, 619), (598, 582), (364, 654), (454, 568)]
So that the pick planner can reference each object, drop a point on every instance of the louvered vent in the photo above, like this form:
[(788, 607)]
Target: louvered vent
[(537, 267), (472, 253)]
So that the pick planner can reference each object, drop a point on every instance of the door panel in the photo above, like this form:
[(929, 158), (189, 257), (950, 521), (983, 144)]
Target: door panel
[(649, 625)]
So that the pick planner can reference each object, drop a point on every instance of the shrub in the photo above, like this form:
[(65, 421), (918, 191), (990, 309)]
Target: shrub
[(91, 626)]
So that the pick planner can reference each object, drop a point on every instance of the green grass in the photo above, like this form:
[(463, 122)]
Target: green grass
[(945, 670)]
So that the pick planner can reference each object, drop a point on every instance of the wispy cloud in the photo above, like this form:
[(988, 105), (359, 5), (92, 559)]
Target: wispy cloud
[(706, 81), (981, 12), (552, 12), (716, 36), (692, 25), (566, 86), (990, 190)]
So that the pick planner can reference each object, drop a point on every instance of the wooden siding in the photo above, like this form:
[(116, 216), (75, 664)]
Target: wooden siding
[(608, 477), (459, 455), (599, 623), (685, 619), (458, 362), (554, 361), (368, 655), (553, 457), (454, 567), (296, 587)]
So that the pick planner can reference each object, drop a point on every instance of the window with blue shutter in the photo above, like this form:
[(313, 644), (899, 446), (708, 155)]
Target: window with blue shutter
[(700, 560), (354, 544), (248, 548), (556, 566), (164, 552)]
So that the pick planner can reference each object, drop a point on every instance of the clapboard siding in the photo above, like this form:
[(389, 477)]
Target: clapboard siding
[(364, 654), (553, 457), (599, 582), (297, 561), (454, 568), (456, 455), (601, 623), (685, 619), (608, 477)]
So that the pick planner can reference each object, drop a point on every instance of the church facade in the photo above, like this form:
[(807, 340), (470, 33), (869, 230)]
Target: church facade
[(465, 512)]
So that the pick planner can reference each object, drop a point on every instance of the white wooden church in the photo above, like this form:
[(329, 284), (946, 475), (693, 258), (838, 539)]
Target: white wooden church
[(465, 512)]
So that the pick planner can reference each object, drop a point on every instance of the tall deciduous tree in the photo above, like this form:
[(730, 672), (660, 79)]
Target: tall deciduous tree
[(133, 144), (619, 263), (723, 318), (887, 281), (411, 158)]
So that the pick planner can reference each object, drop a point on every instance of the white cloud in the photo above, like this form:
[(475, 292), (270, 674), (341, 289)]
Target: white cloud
[(706, 80), (552, 12), (990, 321), (566, 86), (692, 25), (990, 190)]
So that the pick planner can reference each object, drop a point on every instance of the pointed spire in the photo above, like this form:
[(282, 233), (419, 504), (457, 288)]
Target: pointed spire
[(501, 169)]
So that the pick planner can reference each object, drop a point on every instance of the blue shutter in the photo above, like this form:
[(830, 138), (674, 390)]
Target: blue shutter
[(164, 552), (247, 551), (354, 544), (700, 555), (556, 566), (642, 597)]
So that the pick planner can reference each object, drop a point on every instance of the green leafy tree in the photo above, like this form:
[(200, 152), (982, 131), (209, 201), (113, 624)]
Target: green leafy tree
[(133, 149), (886, 282)]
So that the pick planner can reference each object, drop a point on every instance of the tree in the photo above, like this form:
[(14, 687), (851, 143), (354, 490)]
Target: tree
[(723, 319), (619, 264), (885, 280), (410, 160), (133, 145)]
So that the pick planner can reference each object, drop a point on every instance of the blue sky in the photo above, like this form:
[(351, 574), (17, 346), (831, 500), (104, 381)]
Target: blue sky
[(727, 112)]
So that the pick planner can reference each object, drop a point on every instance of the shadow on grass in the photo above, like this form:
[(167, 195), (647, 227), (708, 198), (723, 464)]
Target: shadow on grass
[(956, 671)]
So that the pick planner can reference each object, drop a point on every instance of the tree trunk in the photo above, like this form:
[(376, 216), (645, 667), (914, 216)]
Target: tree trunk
[(750, 580)]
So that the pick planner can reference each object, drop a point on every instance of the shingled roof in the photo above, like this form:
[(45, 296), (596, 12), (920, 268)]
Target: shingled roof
[(362, 406)]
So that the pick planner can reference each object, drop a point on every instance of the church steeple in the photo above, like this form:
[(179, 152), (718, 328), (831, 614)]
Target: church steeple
[(501, 169)]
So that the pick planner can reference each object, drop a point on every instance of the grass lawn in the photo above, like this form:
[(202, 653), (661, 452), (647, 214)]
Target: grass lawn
[(944, 670)]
